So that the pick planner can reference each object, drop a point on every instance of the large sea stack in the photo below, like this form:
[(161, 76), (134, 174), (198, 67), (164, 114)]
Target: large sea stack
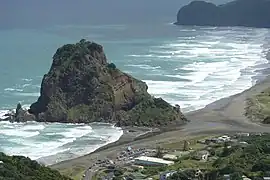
[(248, 13), (82, 87)]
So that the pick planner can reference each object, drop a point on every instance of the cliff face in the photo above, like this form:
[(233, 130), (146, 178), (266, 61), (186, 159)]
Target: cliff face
[(81, 87), (249, 13)]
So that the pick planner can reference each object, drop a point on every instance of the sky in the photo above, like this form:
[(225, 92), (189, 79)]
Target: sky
[(39, 13)]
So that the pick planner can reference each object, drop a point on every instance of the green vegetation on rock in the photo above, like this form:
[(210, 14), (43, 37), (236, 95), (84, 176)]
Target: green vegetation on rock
[(82, 87), (22, 168)]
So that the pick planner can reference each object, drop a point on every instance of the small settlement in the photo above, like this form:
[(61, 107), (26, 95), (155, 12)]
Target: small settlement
[(163, 162)]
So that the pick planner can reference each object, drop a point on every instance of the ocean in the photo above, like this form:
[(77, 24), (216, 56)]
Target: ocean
[(189, 66)]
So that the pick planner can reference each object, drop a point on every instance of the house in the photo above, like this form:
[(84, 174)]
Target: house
[(224, 138), (242, 134), (182, 153), (166, 175), (245, 178), (137, 167), (201, 141), (226, 177), (217, 140), (151, 161), (202, 155), (170, 157), (243, 144), (198, 173)]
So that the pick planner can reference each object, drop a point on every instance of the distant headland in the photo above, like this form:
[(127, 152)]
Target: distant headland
[(247, 13)]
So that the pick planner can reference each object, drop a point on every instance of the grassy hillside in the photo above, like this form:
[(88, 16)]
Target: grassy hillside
[(258, 107), (22, 168)]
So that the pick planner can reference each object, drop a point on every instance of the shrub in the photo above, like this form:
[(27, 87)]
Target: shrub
[(112, 66)]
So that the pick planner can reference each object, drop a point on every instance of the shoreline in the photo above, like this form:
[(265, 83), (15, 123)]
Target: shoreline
[(220, 117), (225, 115), (210, 111)]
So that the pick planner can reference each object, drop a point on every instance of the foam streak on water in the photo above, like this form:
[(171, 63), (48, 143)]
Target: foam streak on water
[(202, 65), (39, 140), (189, 66)]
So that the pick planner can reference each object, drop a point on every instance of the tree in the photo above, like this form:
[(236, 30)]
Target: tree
[(112, 66), (159, 153), (177, 107), (186, 146), (212, 152), (236, 176)]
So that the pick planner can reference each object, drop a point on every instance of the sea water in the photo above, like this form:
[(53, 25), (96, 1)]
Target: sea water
[(189, 66)]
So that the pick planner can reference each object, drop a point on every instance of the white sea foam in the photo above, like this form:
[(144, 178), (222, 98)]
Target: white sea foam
[(26, 85), (205, 65), (2, 114), (144, 66), (18, 133), (28, 94), (143, 55), (12, 89), (27, 79), (33, 127), (77, 132), (39, 140), (217, 65)]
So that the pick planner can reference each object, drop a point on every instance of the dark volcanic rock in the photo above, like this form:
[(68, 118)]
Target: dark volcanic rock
[(20, 115), (82, 87), (249, 13), (266, 120)]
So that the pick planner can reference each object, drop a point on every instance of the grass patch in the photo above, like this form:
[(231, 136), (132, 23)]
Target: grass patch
[(75, 173), (180, 144), (190, 164), (258, 107)]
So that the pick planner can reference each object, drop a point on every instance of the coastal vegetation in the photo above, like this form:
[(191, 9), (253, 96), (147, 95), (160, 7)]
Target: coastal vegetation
[(250, 157), (216, 157), (22, 168), (258, 107)]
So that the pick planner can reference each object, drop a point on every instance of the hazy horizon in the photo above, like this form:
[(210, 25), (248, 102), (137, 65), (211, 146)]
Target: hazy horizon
[(35, 14)]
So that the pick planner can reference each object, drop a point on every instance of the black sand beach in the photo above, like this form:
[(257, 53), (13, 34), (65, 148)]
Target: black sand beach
[(226, 115)]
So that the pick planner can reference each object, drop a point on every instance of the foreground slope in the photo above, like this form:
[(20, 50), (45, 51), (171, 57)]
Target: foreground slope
[(82, 87), (22, 168), (249, 13)]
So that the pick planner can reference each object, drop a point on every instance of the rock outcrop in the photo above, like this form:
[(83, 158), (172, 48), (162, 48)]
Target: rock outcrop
[(20, 115), (248, 13), (82, 87)]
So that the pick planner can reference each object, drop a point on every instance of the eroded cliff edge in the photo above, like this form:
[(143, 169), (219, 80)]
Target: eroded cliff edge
[(82, 87)]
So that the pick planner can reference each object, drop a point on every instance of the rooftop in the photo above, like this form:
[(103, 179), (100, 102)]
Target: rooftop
[(153, 159), (170, 157)]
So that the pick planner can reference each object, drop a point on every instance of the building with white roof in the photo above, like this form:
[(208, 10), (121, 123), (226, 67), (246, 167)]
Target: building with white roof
[(170, 157), (151, 161)]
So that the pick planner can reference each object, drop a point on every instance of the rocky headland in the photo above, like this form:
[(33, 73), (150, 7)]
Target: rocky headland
[(82, 87), (248, 13)]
